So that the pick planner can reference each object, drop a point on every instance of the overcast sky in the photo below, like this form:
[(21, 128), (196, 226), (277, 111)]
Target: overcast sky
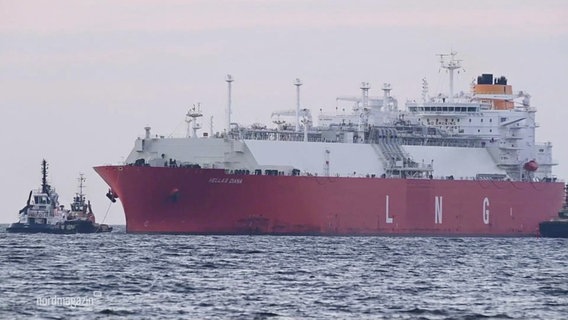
[(80, 79)]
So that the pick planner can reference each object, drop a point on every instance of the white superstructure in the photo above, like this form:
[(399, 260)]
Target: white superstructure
[(487, 134)]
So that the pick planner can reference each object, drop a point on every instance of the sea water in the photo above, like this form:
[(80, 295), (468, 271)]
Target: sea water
[(121, 275)]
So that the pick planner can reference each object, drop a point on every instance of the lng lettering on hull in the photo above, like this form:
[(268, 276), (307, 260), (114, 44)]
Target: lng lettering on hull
[(438, 209), (327, 205), (443, 165)]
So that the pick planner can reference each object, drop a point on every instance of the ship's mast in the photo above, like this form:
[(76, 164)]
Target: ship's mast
[(147, 129), (187, 130), (81, 186), (80, 198), (386, 96), (44, 186), (362, 109), (424, 90), (365, 94), (306, 122), (229, 80), (448, 61), (297, 83), (193, 114)]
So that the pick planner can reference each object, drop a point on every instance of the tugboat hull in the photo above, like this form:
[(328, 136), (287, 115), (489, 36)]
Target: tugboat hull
[(554, 229), (69, 227), (38, 228), (85, 226)]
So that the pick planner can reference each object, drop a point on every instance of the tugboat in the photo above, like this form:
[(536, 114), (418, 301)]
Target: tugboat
[(81, 214), (557, 227), (43, 214)]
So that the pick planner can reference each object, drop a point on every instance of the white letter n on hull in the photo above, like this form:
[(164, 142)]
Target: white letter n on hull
[(438, 208)]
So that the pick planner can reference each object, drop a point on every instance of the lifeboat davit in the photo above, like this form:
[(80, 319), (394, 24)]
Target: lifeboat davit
[(531, 166)]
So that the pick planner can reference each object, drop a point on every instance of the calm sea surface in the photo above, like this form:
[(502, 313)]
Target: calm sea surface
[(121, 275)]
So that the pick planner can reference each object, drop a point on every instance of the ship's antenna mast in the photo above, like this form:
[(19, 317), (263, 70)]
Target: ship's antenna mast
[(81, 196), (44, 186), (188, 121), (229, 80), (364, 104), (194, 113), (450, 64), (424, 90), (297, 83), (81, 186)]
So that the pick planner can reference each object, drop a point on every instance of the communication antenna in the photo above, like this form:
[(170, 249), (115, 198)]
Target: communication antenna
[(81, 185), (194, 113), (448, 61), (45, 188)]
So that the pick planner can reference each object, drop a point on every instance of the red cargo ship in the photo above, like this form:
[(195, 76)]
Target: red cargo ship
[(451, 165)]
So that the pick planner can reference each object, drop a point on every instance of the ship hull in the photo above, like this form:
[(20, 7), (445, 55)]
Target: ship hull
[(210, 201)]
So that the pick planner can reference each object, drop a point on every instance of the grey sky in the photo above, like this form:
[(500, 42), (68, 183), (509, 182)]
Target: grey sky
[(80, 79)]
